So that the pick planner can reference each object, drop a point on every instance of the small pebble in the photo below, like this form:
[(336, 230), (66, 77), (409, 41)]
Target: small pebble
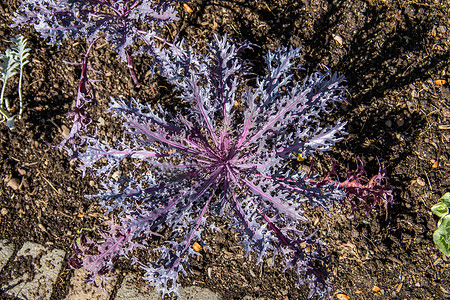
[(442, 29), (4, 211), (338, 39), (101, 121), (269, 262), (65, 130), (41, 227), (116, 175), (420, 181), (14, 183)]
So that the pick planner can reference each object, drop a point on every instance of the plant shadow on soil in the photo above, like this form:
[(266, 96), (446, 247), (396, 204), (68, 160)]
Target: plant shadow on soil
[(390, 52)]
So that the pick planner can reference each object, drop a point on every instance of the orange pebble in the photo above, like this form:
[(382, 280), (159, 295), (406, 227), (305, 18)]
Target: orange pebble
[(196, 246)]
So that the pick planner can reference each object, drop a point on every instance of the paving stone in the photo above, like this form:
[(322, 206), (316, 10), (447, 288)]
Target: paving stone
[(45, 264), (6, 251), (81, 290), (197, 293), (134, 287), (252, 298)]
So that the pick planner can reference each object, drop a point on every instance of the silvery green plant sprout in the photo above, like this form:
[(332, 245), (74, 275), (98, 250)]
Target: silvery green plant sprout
[(119, 22), (14, 59), (225, 155)]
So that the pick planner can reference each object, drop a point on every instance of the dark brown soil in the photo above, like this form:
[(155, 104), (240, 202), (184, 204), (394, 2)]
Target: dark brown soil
[(395, 56)]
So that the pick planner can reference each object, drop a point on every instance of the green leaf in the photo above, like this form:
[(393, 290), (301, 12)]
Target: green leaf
[(446, 199), (19, 50), (10, 123), (439, 209), (441, 236), (8, 66)]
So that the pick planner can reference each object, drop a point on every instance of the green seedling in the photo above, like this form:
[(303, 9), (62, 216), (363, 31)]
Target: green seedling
[(21, 52), (441, 236), (80, 231), (12, 61)]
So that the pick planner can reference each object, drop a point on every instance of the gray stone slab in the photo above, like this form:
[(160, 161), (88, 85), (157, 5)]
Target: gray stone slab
[(79, 289), (134, 287), (197, 293), (6, 251), (252, 298), (45, 265)]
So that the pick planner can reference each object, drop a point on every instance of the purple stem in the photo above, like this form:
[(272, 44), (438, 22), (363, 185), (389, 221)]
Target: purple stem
[(131, 68)]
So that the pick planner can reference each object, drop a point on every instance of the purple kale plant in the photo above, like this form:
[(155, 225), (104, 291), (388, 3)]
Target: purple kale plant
[(226, 153), (369, 193), (375, 192), (117, 21)]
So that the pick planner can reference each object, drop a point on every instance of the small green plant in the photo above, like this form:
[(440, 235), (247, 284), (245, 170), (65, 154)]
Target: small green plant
[(14, 59), (441, 236)]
